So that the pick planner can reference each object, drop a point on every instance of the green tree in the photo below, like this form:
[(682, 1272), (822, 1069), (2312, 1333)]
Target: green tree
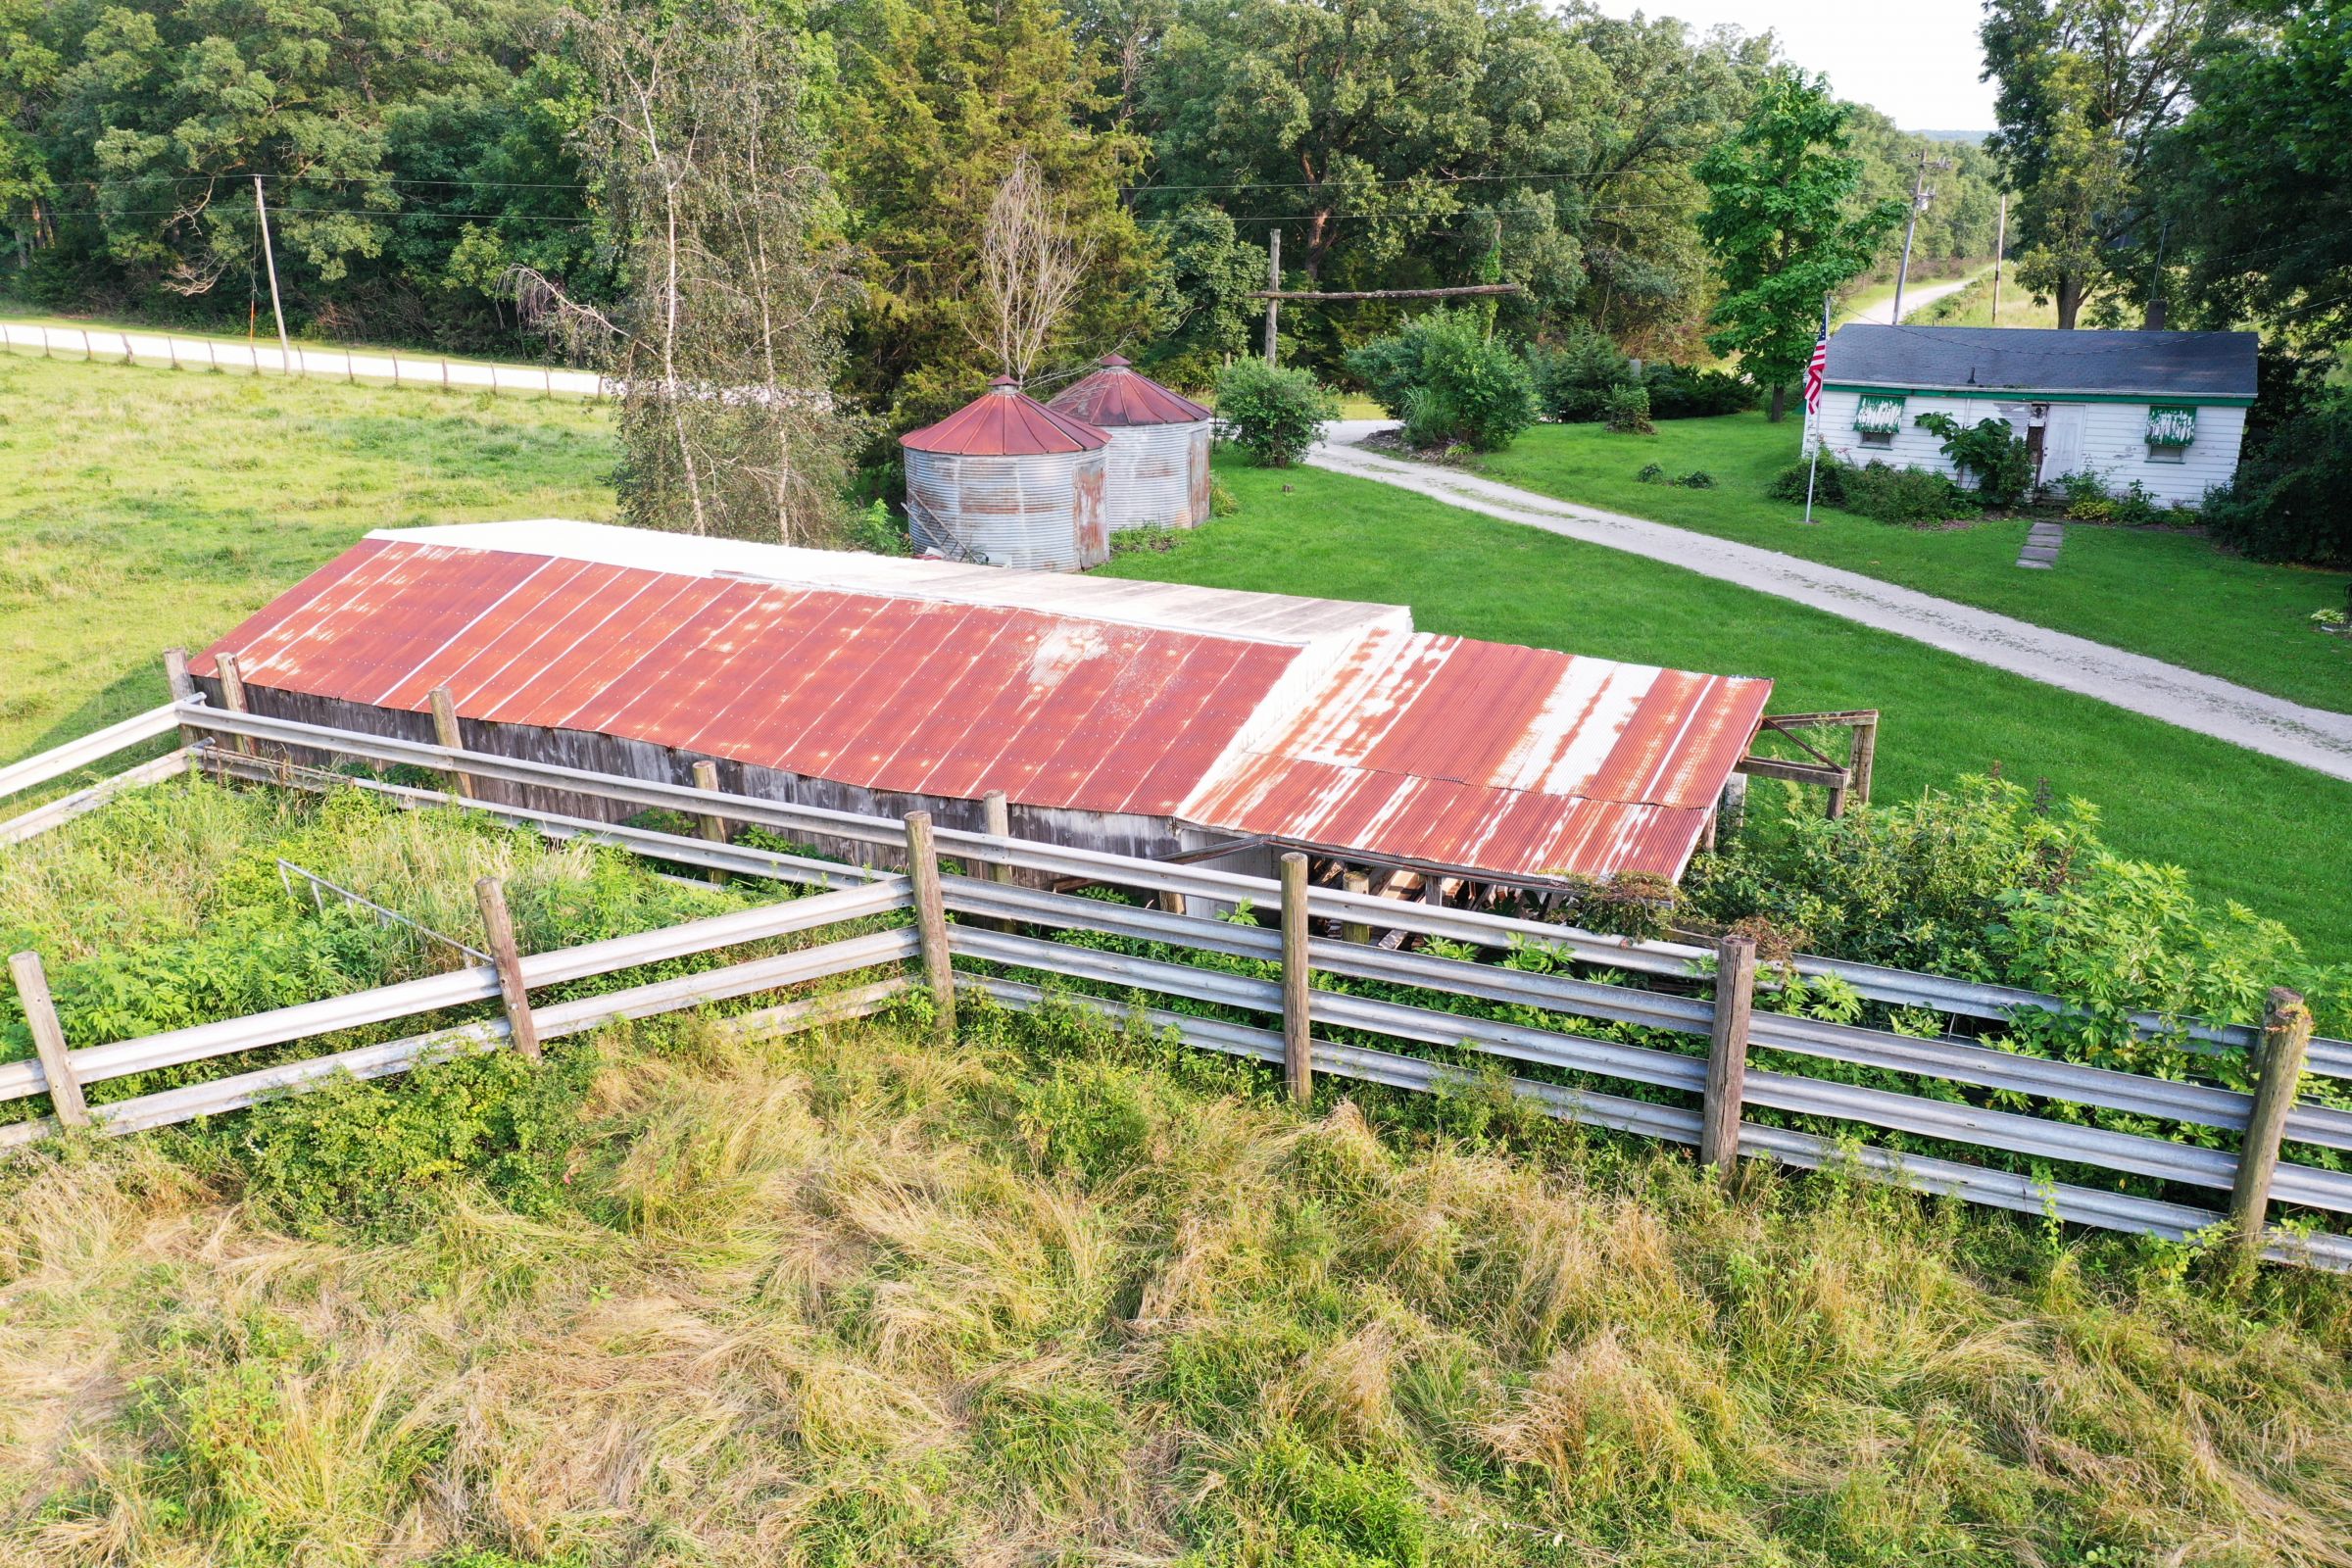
[(1786, 226), (2088, 90), (2258, 178), (937, 98)]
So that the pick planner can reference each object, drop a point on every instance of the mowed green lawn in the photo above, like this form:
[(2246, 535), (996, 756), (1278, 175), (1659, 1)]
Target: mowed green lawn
[(2274, 836), (140, 508), (2165, 594), (144, 508)]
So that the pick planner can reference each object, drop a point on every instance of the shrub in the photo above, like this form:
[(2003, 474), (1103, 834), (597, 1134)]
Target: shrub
[(1989, 451), (1652, 474), (1887, 494), (1697, 479), (1680, 392), (2087, 499), (1877, 491), (1274, 415), (1449, 382), (2291, 500), (1627, 411), (1573, 380), (1221, 502)]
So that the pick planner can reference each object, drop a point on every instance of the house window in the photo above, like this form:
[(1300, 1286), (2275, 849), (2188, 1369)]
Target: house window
[(1878, 417), (2170, 429)]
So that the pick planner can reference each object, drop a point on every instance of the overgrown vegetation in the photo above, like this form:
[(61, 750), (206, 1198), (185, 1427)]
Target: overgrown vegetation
[(2292, 499), (845, 1298), (1879, 491), (1276, 416), (1988, 452), (1450, 381)]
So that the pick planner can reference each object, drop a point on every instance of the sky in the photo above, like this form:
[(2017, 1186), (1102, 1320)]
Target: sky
[(1915, 61)]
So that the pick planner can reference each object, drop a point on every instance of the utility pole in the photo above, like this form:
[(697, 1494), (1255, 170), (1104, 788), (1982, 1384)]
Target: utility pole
[(1921, 195), (2000, 243), (1274, 284), (270, 258)]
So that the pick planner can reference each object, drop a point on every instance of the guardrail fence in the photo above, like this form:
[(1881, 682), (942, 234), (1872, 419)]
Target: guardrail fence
[(166, 350), (1376, 995)]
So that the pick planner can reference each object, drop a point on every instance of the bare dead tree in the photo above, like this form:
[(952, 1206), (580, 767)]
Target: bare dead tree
[(1031, 269), (726, 344)]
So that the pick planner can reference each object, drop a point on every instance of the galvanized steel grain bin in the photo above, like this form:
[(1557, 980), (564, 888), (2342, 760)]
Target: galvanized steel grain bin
[(1009, 481), (1158, 463)]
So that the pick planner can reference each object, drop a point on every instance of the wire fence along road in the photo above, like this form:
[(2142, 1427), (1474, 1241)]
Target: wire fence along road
[(164, 351), (1955, 1091)]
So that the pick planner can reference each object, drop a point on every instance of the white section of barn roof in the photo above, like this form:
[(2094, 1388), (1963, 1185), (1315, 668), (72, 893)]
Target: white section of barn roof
[(1281, 618)]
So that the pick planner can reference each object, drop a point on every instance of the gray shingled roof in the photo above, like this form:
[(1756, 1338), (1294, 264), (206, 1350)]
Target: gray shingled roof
[(2044, 359)]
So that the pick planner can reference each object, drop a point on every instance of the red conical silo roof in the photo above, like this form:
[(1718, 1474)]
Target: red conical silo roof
[(1119, 394), (1004, 423)]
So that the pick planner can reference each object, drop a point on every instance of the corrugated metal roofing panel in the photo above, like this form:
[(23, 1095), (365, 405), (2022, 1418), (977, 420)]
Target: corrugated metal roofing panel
[(1005, 422), (1361, 734), (1118, 395)]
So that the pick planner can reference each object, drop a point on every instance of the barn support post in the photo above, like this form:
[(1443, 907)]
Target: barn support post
[(448, 736), (1356, 930), (1726, 1055), (48, 1040), (714, 826), (996, 821), (2285, 1041), (931, 921), (498, 925), (1297, 1040), (232, 694)]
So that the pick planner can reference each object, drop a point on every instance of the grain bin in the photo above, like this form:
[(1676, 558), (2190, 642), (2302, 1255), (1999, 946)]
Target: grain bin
[(1158, 469), (1007, 480)]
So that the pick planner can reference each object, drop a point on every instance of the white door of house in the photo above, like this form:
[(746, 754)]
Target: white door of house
[(2062, 441)]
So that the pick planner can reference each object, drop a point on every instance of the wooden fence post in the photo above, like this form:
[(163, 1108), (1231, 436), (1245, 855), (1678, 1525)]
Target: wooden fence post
[(48, 1041), (1356, 882), (1865, 757), (1726, 1055), (182, 685), (447, 735), (714, 827), (500, 926), (1298, 1039), (931, 920), (232, 694), (2285, 1040)]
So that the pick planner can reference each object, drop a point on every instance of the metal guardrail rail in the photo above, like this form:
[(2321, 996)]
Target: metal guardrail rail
[(990, 937)]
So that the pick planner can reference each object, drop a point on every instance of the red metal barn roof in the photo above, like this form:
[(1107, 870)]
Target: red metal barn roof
[(1117, 395), (1313, 720), (1003, 421)]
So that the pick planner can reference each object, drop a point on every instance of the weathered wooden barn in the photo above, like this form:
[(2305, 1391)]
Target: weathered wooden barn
[(2165, 408), (1147, 718)]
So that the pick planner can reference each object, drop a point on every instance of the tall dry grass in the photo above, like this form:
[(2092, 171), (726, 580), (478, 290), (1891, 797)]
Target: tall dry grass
[(1056, 1297)]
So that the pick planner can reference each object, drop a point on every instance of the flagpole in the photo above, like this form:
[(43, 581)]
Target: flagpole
[(1812, 409)]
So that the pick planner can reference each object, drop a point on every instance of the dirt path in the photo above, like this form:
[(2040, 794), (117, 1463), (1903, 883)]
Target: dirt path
[(1917, 297), (2290, 731)]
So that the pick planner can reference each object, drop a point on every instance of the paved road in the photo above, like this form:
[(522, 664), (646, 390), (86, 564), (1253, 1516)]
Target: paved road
[(2273, 725), (1917, 297)]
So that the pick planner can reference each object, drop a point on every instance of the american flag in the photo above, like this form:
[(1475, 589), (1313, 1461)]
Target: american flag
[(1815, 369)]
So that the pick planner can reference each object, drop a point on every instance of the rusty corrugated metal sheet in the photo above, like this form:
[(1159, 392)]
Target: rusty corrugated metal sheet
[(1494, 756), (1004, 423), (1117, 396), (1358, 734)]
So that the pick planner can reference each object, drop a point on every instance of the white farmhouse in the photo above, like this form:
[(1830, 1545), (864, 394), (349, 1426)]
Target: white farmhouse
[(2166, 409)]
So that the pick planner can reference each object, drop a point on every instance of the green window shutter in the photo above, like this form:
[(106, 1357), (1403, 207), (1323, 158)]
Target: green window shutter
[(1879, 415), (2171, 424)]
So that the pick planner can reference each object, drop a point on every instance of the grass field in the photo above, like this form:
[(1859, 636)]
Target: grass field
[(673, 1298), (2271, 835), (140, 509), (2163, 593)]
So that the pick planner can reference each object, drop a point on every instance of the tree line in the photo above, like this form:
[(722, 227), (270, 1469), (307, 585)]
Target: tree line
[(421, 158)]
